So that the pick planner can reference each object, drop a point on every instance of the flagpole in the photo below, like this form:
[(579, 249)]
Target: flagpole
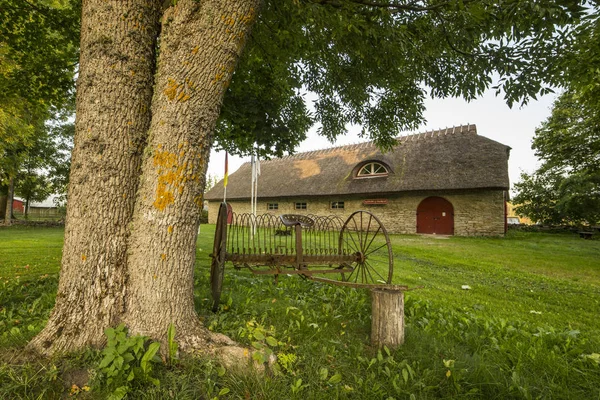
[(252, 177), (225, 179), (256, 174), (253, 172)]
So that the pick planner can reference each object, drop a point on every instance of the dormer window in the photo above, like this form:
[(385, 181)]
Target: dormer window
[(372, 169)]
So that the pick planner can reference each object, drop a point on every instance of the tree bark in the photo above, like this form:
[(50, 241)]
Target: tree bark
[(114, 93), (129, 252), (387, 318), (10, 196), (201, 43)]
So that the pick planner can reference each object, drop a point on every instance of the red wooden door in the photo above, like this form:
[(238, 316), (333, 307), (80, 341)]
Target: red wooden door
[(435, 215)]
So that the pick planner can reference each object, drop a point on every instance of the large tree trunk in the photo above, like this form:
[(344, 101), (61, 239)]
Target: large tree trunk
[(142, 275), (10, 196), (200, 44), (114, 92)]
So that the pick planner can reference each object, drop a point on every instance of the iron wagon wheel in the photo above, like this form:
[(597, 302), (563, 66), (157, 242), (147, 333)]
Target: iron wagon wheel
[(364, 236), (217, 267)]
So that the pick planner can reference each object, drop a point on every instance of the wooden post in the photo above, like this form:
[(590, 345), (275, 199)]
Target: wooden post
[(387, 317)]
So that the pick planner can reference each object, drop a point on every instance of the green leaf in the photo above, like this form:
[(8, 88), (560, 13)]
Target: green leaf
[(110, 333), (152, 349), (258, 345), (173, 346), (258, 357), (154, 381), (337, 378), (118, 393), (258, 335), (118, 362), (387, 351), (128, 357), (108, 358), (223, 391), (271, 341), (323, 373)]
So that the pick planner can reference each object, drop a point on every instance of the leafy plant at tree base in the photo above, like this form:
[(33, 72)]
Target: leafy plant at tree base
[(172, 345), (127, 362), (261, 339)]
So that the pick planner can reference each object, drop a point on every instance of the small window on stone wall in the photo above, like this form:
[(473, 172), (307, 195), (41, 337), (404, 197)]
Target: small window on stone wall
[(337, 205), (300, 206), (272, 206)]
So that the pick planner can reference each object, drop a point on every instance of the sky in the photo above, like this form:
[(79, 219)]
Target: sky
[(494, 119)]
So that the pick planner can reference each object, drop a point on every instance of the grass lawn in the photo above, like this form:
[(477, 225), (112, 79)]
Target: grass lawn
[(527, 327), (29, 251)]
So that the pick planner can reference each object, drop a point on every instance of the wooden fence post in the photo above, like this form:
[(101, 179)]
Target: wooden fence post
[(387, 317)]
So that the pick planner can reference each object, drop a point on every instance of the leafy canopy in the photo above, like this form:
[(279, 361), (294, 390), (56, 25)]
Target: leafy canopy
[(373, 62), (38, 50), (38, 59)]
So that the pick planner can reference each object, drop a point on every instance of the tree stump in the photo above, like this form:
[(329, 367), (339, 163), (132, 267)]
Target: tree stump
[(387, 317)]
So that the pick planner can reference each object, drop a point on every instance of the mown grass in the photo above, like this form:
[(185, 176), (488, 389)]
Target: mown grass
[(29, 251), (527, 328)]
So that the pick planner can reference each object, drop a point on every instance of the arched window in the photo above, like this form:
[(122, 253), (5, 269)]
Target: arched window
[(372, 169)]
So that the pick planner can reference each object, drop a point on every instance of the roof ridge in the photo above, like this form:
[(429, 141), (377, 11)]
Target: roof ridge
[(313, 153), (468, 129)]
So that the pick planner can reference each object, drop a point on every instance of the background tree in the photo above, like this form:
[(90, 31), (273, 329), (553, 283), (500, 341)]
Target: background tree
[(537, 197), (16, 137), (234, 71), (45, 166), (566, 187), (38, 57)]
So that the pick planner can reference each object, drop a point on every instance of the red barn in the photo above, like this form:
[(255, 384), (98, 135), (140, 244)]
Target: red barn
[(18, 206)]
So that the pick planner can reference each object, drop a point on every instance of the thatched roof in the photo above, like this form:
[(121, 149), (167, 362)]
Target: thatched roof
[(446, 159)]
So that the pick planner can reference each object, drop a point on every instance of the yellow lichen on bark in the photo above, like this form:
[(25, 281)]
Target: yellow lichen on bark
[(170, 229), (220, 74), (175, 91), (248, 19), (228, 20), (163, 197), (173, 173), (183, 97), (164, 159), (171, 89)]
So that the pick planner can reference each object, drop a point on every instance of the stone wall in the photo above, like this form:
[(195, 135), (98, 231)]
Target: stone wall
[(476, 213)]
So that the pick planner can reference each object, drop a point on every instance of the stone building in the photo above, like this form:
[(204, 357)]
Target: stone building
[(450, 182)]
